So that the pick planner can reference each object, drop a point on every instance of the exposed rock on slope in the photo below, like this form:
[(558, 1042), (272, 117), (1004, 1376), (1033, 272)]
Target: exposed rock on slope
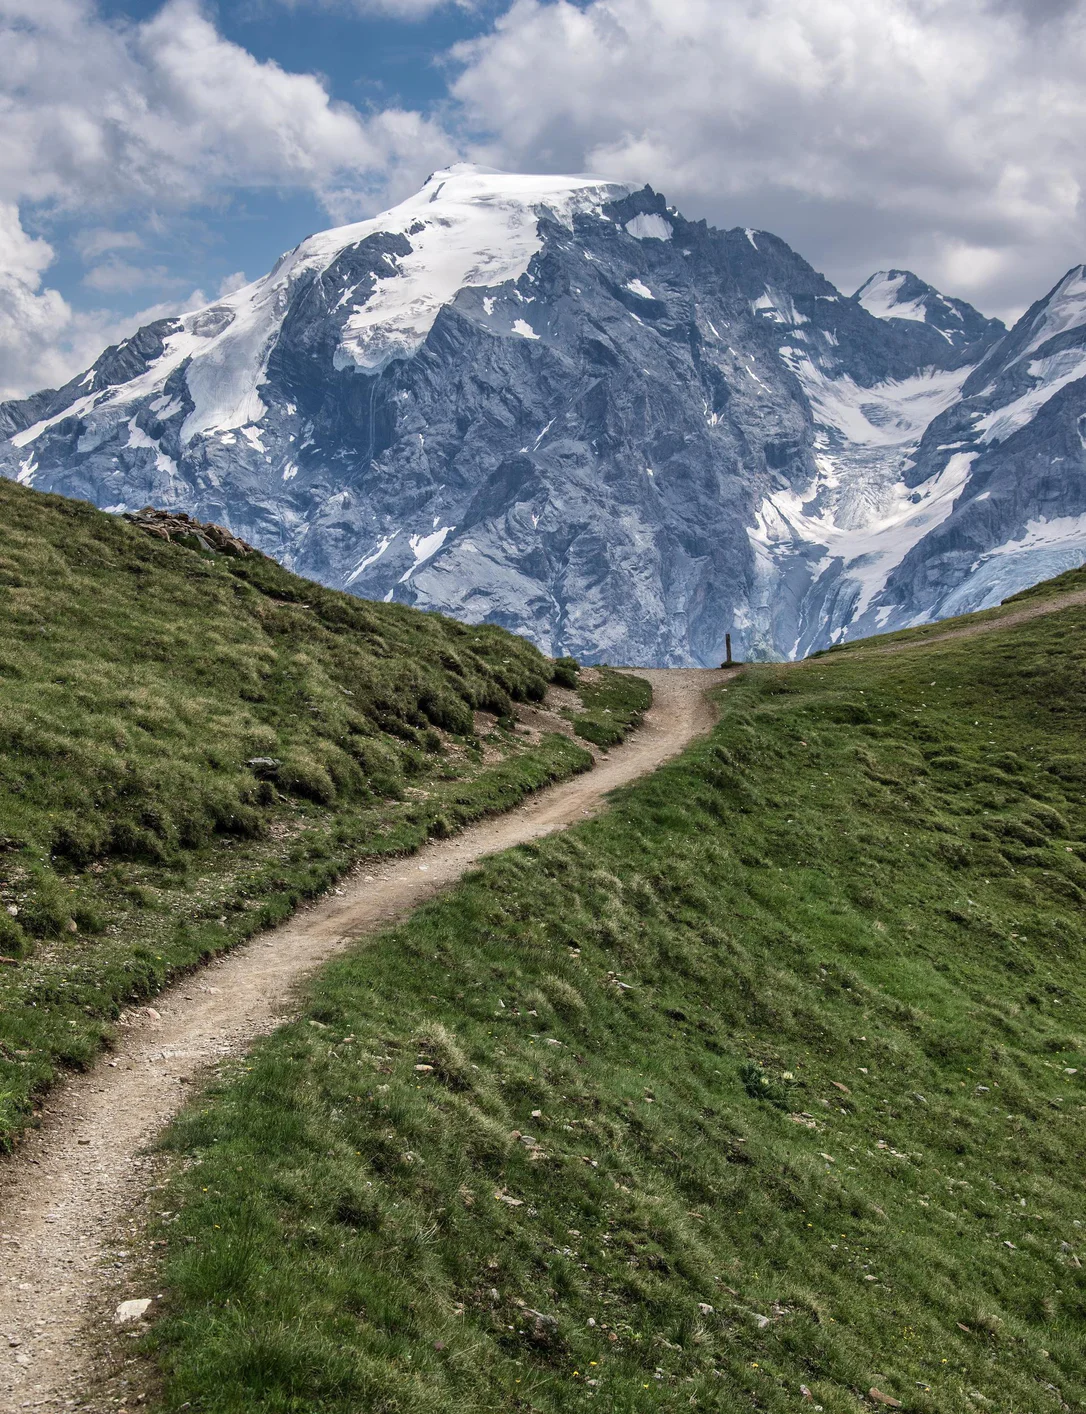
[(1021, 425), (181, 529)]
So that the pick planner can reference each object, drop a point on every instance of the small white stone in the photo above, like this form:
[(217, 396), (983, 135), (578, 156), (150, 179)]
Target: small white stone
[(129, 1311)]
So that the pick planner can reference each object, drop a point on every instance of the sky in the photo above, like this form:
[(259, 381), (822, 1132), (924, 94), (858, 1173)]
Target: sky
[(156, 153)]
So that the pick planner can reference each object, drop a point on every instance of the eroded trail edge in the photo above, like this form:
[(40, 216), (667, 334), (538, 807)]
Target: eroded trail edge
[(75, 1176)]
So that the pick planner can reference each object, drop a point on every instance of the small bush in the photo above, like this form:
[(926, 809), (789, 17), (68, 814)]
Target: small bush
[(300, 774), (565, 671), (46, 911), (13, 940), (760, 1085)]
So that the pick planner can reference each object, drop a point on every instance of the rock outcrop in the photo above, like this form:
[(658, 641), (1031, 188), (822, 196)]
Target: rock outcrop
[(180, 529)]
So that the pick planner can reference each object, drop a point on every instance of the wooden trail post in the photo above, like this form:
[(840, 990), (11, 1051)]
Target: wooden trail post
[(727, 650)]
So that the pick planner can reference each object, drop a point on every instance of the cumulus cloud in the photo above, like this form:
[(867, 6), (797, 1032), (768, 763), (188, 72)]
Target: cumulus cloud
[(230, 284), (29, 317), (393, 9), (103, 115), (42, 339), (939, 134), (108, 120)]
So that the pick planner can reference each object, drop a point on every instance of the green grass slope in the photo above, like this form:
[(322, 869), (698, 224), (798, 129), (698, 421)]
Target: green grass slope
[(764, 1091), (192, 743)]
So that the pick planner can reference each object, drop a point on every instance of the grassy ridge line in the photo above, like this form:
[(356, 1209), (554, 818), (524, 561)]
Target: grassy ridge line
[(1069, 582), (191, 745), (1065, 583), (771, 1078)]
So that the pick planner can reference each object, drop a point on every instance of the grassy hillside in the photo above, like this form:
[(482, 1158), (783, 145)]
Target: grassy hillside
[(764, 1091), (1068, 583), (191, 743)]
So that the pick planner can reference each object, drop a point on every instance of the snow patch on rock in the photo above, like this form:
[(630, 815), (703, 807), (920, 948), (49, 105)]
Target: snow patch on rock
[(1051, 374), (649, 226), (858, 548), (372, 558), (425, 547), (468, 226), (880, 297), (1064, 309)]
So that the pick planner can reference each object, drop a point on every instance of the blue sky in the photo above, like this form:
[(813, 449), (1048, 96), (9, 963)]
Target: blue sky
[(155, 149), (368, 61), (366, 58)]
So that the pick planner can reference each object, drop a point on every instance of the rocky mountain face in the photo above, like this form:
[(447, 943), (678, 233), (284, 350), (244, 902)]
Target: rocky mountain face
[(1018, 433), (557, 405)]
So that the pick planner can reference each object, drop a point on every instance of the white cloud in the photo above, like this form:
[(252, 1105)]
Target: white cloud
[(22, 257), (29, 317), (395, 9), (940, 135), (101, 115), (43, 341), (98, 241), (230, 284), (945, 134), (117, 119)]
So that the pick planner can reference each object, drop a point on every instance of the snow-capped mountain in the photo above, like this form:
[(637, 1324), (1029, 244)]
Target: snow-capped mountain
[(555, 404), (1020, 424), (899, 294)]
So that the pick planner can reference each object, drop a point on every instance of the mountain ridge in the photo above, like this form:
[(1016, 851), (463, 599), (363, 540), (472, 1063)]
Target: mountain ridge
[(557, 405)]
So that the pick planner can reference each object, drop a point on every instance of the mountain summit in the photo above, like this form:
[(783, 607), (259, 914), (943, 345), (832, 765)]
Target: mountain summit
[(555, 404), (899, 294)]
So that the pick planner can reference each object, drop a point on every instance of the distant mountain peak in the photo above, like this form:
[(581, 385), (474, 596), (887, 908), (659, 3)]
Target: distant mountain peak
[(899, 294), (468, 226), (896, 294)]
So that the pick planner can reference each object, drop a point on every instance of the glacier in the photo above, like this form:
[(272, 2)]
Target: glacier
[(554, 403)]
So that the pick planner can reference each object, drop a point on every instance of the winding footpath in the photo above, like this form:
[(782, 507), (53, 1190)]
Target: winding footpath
[(74, 1180), (63, 1197)]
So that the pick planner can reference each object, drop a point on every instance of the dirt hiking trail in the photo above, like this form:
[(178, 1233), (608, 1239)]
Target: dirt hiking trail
[(63, 1196), (1036, 610)]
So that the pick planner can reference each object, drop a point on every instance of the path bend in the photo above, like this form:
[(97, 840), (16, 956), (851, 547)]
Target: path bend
[(74, 1178)]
